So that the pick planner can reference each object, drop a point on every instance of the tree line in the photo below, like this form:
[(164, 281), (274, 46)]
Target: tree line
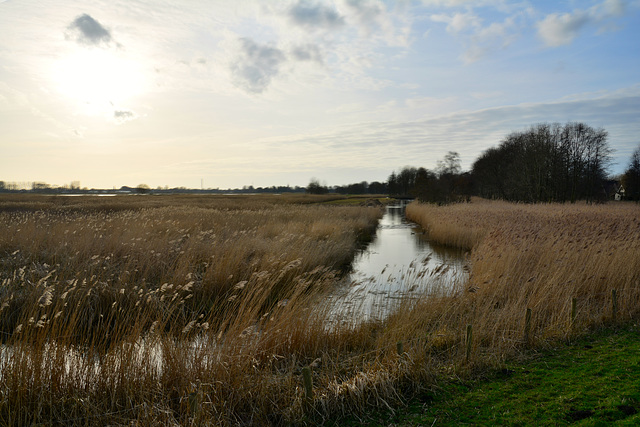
[(544, 163), (631, 178)]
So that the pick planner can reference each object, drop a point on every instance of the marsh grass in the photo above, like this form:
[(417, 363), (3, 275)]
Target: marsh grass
[(172, 310), (540, 257)]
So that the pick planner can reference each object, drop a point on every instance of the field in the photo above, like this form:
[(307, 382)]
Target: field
[(208, 309)]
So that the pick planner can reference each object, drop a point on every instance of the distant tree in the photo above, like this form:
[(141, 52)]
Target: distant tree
[(427, 187), (376, 187), (407, 180), (450, 165), (143, 189), (315, 187), (631, 177), (40, 187), (392, 184)]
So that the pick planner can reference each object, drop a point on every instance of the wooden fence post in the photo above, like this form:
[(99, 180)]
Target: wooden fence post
[(574, 302), (307, 381), (469, 341), (527, 327), (194, 400)]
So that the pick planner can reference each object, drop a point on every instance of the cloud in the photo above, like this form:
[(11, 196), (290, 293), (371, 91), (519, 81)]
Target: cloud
[(458, 22), (123, 116), (480, 40), (491, 38), (308, 52), (389, 144), (557, 30), (561, 29), (256, 66), (88, 31), (315, 16), (365, 11), (374, 21)]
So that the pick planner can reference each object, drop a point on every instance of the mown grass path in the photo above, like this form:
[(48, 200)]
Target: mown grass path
[(592, 381)]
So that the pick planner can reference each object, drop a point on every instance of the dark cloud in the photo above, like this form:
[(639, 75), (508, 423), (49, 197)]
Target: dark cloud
[(308, 52), (366, 11), (122, 116), (87, 30), (256, 66), (315, 16)]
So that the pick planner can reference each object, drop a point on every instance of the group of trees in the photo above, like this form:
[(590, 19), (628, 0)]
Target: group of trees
[(546, 163), (364, 187), (444, 185), (38, 187), (631, 178)]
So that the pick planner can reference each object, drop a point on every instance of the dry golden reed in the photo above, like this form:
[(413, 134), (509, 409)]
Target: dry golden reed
[(204, 310), (540, 257)]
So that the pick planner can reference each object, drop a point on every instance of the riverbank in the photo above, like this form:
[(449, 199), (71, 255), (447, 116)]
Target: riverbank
[(593, 380)]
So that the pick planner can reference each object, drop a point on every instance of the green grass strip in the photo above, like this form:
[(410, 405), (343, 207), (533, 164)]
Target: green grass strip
[(594, 381)]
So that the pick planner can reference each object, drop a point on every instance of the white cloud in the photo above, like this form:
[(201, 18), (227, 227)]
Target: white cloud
[(463, 22), (376, 23), (561, 29), (480, 40), (491, 38), (458, 22)]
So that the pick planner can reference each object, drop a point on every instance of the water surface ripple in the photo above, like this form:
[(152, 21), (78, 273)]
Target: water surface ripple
[(399, 265)]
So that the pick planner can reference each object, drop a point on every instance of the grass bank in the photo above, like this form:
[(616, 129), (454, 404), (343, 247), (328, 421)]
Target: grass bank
[(592, 380)]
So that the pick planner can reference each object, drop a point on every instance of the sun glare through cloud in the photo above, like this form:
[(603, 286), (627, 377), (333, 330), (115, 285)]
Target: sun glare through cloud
[(274, 93), (98, 80)]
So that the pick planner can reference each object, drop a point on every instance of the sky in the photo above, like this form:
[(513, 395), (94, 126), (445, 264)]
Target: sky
[(226, 94)]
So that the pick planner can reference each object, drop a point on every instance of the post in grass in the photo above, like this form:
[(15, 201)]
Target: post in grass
[(307, 381), (527, 327), (614, 304), (469, 341)]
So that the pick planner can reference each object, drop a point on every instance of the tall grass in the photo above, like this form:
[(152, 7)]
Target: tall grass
[(540, 257), (204, 310)]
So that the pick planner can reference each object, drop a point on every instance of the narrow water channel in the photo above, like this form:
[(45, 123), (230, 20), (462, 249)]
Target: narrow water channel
[(399, 265)]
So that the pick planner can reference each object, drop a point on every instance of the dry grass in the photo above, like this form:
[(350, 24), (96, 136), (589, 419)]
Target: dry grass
[(540, 257), (127, 302), (203, 310)]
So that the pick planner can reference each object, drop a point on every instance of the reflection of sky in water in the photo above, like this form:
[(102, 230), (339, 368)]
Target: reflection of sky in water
[(400, 262)]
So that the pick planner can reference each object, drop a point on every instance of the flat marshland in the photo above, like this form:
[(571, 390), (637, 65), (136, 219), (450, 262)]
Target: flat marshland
[(205, 309)]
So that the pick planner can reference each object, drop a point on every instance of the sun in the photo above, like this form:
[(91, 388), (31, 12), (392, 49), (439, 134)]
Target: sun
[(98, 80)]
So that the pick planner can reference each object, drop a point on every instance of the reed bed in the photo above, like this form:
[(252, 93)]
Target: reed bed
[(539, 257), (117, 307), (188, 311)]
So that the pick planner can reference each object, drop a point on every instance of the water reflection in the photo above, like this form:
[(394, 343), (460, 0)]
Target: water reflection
[(398, 265)]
